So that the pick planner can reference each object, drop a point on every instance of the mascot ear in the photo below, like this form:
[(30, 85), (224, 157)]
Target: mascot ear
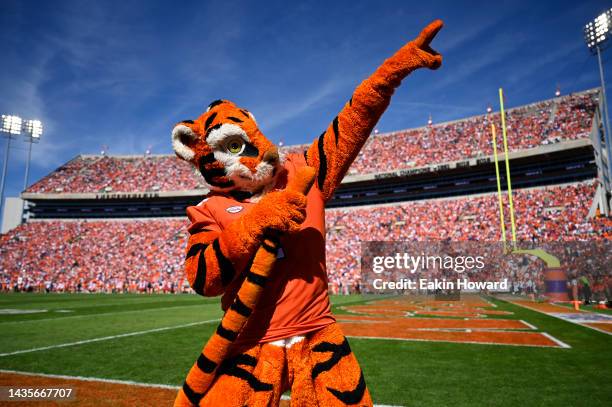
[(182, 140)]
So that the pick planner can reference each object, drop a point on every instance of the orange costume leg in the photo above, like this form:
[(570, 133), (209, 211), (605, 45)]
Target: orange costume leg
[(256, 378), (324, 372)]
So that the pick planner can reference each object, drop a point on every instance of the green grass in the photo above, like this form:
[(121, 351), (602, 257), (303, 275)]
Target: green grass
[(397, 372)]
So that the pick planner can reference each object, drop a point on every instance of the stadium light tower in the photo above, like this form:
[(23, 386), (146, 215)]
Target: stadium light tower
[(33, 132), (596, 35), (9, 127), (12, 126)]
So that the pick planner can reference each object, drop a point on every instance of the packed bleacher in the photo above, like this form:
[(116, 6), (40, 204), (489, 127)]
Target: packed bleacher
[(147, 255), (543, 215), (105, 173), (565, 118)]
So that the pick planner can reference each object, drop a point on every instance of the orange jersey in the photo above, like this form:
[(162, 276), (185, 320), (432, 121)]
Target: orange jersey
[(295, 300)]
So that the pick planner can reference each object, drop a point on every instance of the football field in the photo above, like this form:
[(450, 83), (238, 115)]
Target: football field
[(414, 351)]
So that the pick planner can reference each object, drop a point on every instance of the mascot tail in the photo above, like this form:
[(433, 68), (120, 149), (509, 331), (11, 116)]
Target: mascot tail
[(216, 349)]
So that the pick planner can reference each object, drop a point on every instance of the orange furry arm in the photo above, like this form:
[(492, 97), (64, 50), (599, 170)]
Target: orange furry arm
[(216, 257), (335, 150)]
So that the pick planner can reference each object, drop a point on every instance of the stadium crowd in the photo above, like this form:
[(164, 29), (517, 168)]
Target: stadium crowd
[(564, 118), (120, 174), (147, 255), (542, 215), (95, 256)]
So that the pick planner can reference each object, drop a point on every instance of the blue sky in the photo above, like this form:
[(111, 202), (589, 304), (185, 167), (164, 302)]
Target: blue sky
[(121, 73)]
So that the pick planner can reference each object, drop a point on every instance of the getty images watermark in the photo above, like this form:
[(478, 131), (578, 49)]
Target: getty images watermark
[(411, 264), (444, 267)]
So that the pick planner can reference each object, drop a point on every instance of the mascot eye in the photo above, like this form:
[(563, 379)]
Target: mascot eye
[(235, 146)]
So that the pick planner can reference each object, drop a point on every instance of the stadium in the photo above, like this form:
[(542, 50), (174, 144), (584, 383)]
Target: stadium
[(95, 298)]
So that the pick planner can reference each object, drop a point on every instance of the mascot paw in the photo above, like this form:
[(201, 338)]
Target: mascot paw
[(418, 52), (431, 58), (280, 211)]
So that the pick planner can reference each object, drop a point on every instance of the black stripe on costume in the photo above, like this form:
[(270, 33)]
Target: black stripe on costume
[(231, 368), (215, 127), (351, 397), (187, 121), (306, 156), (244, 112), (206, 365), (226, 333), (210, 120), (192, 395), (242, 359), (351, 101), (336, 131), (195, 249), (226, 266), (215, 103), (234, 119), (195, 232), (338, 352), (200, 280), (322, 162), (240, 307), (256, 279)]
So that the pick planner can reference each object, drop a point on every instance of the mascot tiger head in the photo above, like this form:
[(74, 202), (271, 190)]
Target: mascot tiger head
[(228, 149)]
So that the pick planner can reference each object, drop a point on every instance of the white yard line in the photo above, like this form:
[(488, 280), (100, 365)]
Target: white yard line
[(125, 382), (557, 341), (108, 338), (90, 379), (528, 324), (487, 301), (97, 315), (468, 342)]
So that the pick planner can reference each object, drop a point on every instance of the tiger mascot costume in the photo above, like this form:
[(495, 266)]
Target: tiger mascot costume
[(258, 238)]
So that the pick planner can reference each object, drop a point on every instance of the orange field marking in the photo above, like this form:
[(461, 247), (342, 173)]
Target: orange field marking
[(91, 393), (600, 325), (440, 323), (466, 322), (545, 307), (466, 336)]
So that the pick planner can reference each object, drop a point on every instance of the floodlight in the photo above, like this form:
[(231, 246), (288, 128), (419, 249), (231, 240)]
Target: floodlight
[(34, 128), (596, 35), (597, 32), (11, 124)]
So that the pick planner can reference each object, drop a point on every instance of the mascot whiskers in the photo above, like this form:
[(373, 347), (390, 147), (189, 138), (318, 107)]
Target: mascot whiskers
[(258, 239)]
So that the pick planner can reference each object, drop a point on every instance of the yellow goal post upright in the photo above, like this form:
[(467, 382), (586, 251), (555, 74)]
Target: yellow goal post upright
[(554, 273), (507, 161), (499, 191)]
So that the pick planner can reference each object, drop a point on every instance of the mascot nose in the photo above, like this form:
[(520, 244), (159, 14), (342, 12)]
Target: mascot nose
[(271, 156)]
